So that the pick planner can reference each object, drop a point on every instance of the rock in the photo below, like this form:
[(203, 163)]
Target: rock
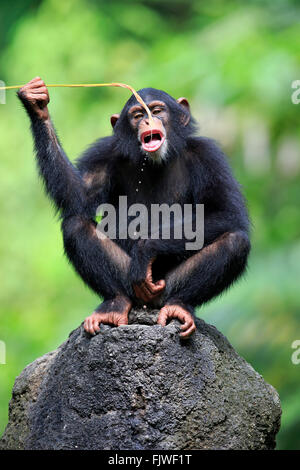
[(141, 387)]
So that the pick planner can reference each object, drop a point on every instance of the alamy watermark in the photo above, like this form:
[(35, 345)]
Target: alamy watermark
[(163, 222), (2, 352), (295, 97), (295, 358), (2, 93)]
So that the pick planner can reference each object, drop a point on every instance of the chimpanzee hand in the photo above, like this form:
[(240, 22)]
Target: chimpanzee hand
[(178, 311), (147, 290), (140, 273), (35, 97), (110, 312)]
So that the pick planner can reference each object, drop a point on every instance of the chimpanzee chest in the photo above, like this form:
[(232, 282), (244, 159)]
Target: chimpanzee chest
[(150, 183)]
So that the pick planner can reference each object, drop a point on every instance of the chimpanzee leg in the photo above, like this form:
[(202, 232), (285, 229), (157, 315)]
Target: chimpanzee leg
[(101, 263), (103, 266), (210, 271), (202, 277)]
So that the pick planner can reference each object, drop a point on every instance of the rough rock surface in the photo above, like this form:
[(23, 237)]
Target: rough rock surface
[(141, 387)]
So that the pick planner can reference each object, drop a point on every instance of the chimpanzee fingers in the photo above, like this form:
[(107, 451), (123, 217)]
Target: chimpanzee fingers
[(96, 325), (185, 317), (162, 318), (188, 322), (33, 85), (160, 285), (186, 334), (146, 292), (33, 80), (149, 270), (36, 83), (91, 324), (88, 325), (153, 289), (38, 98), (123, 320), (139, 293), (39, 90), (35, 96), (187, 328), (146, 289), (142, 292)]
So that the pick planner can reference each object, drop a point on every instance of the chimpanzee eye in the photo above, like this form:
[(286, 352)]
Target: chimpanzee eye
[(138, 116), (156, 111)]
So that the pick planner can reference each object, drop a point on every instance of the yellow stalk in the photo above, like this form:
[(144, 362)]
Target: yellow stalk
[(86, 85)]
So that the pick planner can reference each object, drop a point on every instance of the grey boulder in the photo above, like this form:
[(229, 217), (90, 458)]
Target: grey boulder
[(141, 387)]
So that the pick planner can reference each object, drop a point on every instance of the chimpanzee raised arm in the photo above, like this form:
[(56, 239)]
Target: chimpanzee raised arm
[(62, 180)]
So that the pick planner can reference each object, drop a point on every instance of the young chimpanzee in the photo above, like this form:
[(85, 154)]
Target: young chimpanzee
[(150, 166)]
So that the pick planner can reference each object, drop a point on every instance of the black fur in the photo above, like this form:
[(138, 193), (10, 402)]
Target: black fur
[(195, 171)]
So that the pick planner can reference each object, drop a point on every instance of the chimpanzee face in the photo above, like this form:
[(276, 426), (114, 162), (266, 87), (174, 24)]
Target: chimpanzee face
[(171, 121), (152, 140)]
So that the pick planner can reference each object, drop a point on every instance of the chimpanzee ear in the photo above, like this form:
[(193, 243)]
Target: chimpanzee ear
[(113, 119), (187, 116)]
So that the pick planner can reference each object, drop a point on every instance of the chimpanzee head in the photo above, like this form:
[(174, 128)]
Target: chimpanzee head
[(173, 125)]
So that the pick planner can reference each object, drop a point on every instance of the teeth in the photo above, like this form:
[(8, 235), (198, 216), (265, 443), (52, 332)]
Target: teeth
[(154, 137)]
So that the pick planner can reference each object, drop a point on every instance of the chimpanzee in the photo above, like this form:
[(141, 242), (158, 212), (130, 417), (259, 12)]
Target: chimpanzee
[(166, 164)]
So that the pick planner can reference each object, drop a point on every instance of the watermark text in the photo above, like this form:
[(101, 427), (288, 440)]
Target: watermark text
[(161, 221), (295, 358), (2, 353)]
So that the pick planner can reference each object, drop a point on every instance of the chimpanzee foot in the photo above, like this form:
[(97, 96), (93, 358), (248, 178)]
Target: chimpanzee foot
[(169, 312), (111, 312)]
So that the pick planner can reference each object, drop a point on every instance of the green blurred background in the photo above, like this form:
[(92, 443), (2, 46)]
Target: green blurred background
[(235, 61)]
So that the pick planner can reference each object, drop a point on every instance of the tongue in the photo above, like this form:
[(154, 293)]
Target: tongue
[(153, 145)]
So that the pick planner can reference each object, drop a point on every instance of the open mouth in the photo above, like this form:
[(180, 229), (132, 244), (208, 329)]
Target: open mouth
[(152, 140)]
